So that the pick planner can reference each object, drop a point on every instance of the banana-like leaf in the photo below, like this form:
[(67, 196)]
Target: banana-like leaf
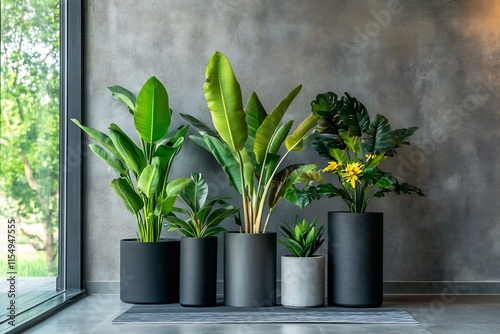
[(152, 113), (175, 186), (125, 96), (112, 160), (173, 137), (216, 217), (378, 137), (149, 180), (165, 206), (223, 96), (248, 169), (270, 166), (128, 150), (269, 126), (195, 194), (98, 136), (255, 116), (280, 137), (199, 125), (295, 140), (132, 201), (226, 160)]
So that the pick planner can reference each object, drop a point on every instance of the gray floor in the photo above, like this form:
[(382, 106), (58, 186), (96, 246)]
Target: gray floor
[(436, 314)]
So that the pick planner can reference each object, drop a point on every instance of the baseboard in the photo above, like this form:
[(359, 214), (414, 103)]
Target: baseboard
[(390, 287)]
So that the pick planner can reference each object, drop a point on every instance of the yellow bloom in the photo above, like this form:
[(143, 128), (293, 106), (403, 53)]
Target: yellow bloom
[(369, 156), (332, 166), (352, 172)]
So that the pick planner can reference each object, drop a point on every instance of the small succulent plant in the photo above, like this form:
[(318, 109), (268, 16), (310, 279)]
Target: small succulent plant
[(304, 239)]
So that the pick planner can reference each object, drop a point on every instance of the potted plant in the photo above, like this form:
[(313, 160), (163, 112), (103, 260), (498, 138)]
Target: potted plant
[(198, 264), (149, 265), (355, 147), (245, 143), (303, 273)]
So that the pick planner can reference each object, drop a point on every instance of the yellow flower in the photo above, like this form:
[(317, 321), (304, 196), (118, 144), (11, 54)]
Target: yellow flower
[(332, 166), (352, 172), (369, 156)]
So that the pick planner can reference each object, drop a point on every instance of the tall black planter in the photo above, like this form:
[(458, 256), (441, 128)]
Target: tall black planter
[(250, 269), (198, 271), (355, 259), (149, 271)]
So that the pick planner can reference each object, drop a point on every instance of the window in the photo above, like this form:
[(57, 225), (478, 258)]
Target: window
[(40, 165)]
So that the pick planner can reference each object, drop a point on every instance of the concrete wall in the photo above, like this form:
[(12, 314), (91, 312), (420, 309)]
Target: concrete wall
[(433, 64)]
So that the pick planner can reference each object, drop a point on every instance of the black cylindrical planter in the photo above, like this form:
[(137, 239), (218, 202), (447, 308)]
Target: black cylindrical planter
[(198, 272), (355, 259), (149, 271), (250, 269)]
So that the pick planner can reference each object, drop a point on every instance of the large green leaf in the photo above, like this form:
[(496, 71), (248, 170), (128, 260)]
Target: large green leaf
[(351, 142), (225, 158), (199, 125), (195, 194), (255, 116), (126, 192), (98, 136), (128, 150), (125, 96), (269, 126), (284, 179), (152, 112), (295, 140), (354, 114), (148, 180), (280, 137), (175, 186), (223, 96), (110, 159), (378, 138), (165, 206)]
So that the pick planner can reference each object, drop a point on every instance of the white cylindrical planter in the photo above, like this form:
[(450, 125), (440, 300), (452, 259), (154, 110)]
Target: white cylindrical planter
[(302, 281)]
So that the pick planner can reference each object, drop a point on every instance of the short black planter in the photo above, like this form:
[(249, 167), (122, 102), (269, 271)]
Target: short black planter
[(149, 271), (249, 269), (198, 271), (355, 259)]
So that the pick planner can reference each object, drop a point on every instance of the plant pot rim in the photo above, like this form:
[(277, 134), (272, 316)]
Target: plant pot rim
[(299, 258), (207, 237), (357, 213), (154, 242), (238, 232)]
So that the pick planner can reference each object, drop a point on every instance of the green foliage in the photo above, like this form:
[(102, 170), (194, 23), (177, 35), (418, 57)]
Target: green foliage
[(246, 141), (355, 147), (142, 183), (29, 120), (303, 239), (202, 220)]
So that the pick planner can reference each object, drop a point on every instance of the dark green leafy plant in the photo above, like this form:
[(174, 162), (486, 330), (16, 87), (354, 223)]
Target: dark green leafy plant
[(303, 240), (202, 221), (355, 146), (143, 172), (247, 140)]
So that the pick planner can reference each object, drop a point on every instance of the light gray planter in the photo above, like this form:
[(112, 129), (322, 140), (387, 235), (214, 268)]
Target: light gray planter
[(302, 281)]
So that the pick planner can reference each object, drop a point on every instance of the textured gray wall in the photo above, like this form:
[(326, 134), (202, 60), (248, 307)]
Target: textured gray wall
[(433, 64)]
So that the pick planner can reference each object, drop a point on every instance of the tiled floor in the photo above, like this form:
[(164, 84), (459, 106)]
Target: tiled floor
[(437, 314)]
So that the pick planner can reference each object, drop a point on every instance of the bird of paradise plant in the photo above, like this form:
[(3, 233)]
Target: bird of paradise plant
[(355, 146), (246, 143)]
